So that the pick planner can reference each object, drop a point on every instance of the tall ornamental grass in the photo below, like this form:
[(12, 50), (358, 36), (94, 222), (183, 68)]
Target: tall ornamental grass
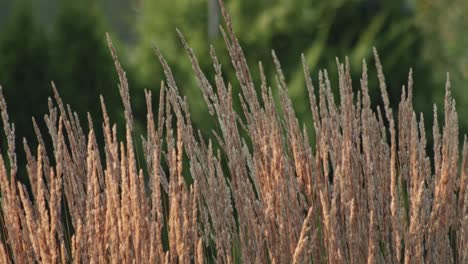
[(365, 191)]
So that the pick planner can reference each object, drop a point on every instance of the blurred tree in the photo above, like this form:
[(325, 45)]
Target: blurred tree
[(320, 29), (24, 72), (83, 67)]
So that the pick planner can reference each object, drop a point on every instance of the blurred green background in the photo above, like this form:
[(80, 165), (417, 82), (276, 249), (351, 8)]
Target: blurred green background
[(64, 41)]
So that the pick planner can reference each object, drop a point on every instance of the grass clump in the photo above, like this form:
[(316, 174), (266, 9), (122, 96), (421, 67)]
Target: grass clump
[(367, 191)]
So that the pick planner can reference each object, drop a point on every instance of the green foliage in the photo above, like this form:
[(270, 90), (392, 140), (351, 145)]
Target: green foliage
[(319, 29), (75, 57), (444, 46), (82, 62), (24, 70)]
